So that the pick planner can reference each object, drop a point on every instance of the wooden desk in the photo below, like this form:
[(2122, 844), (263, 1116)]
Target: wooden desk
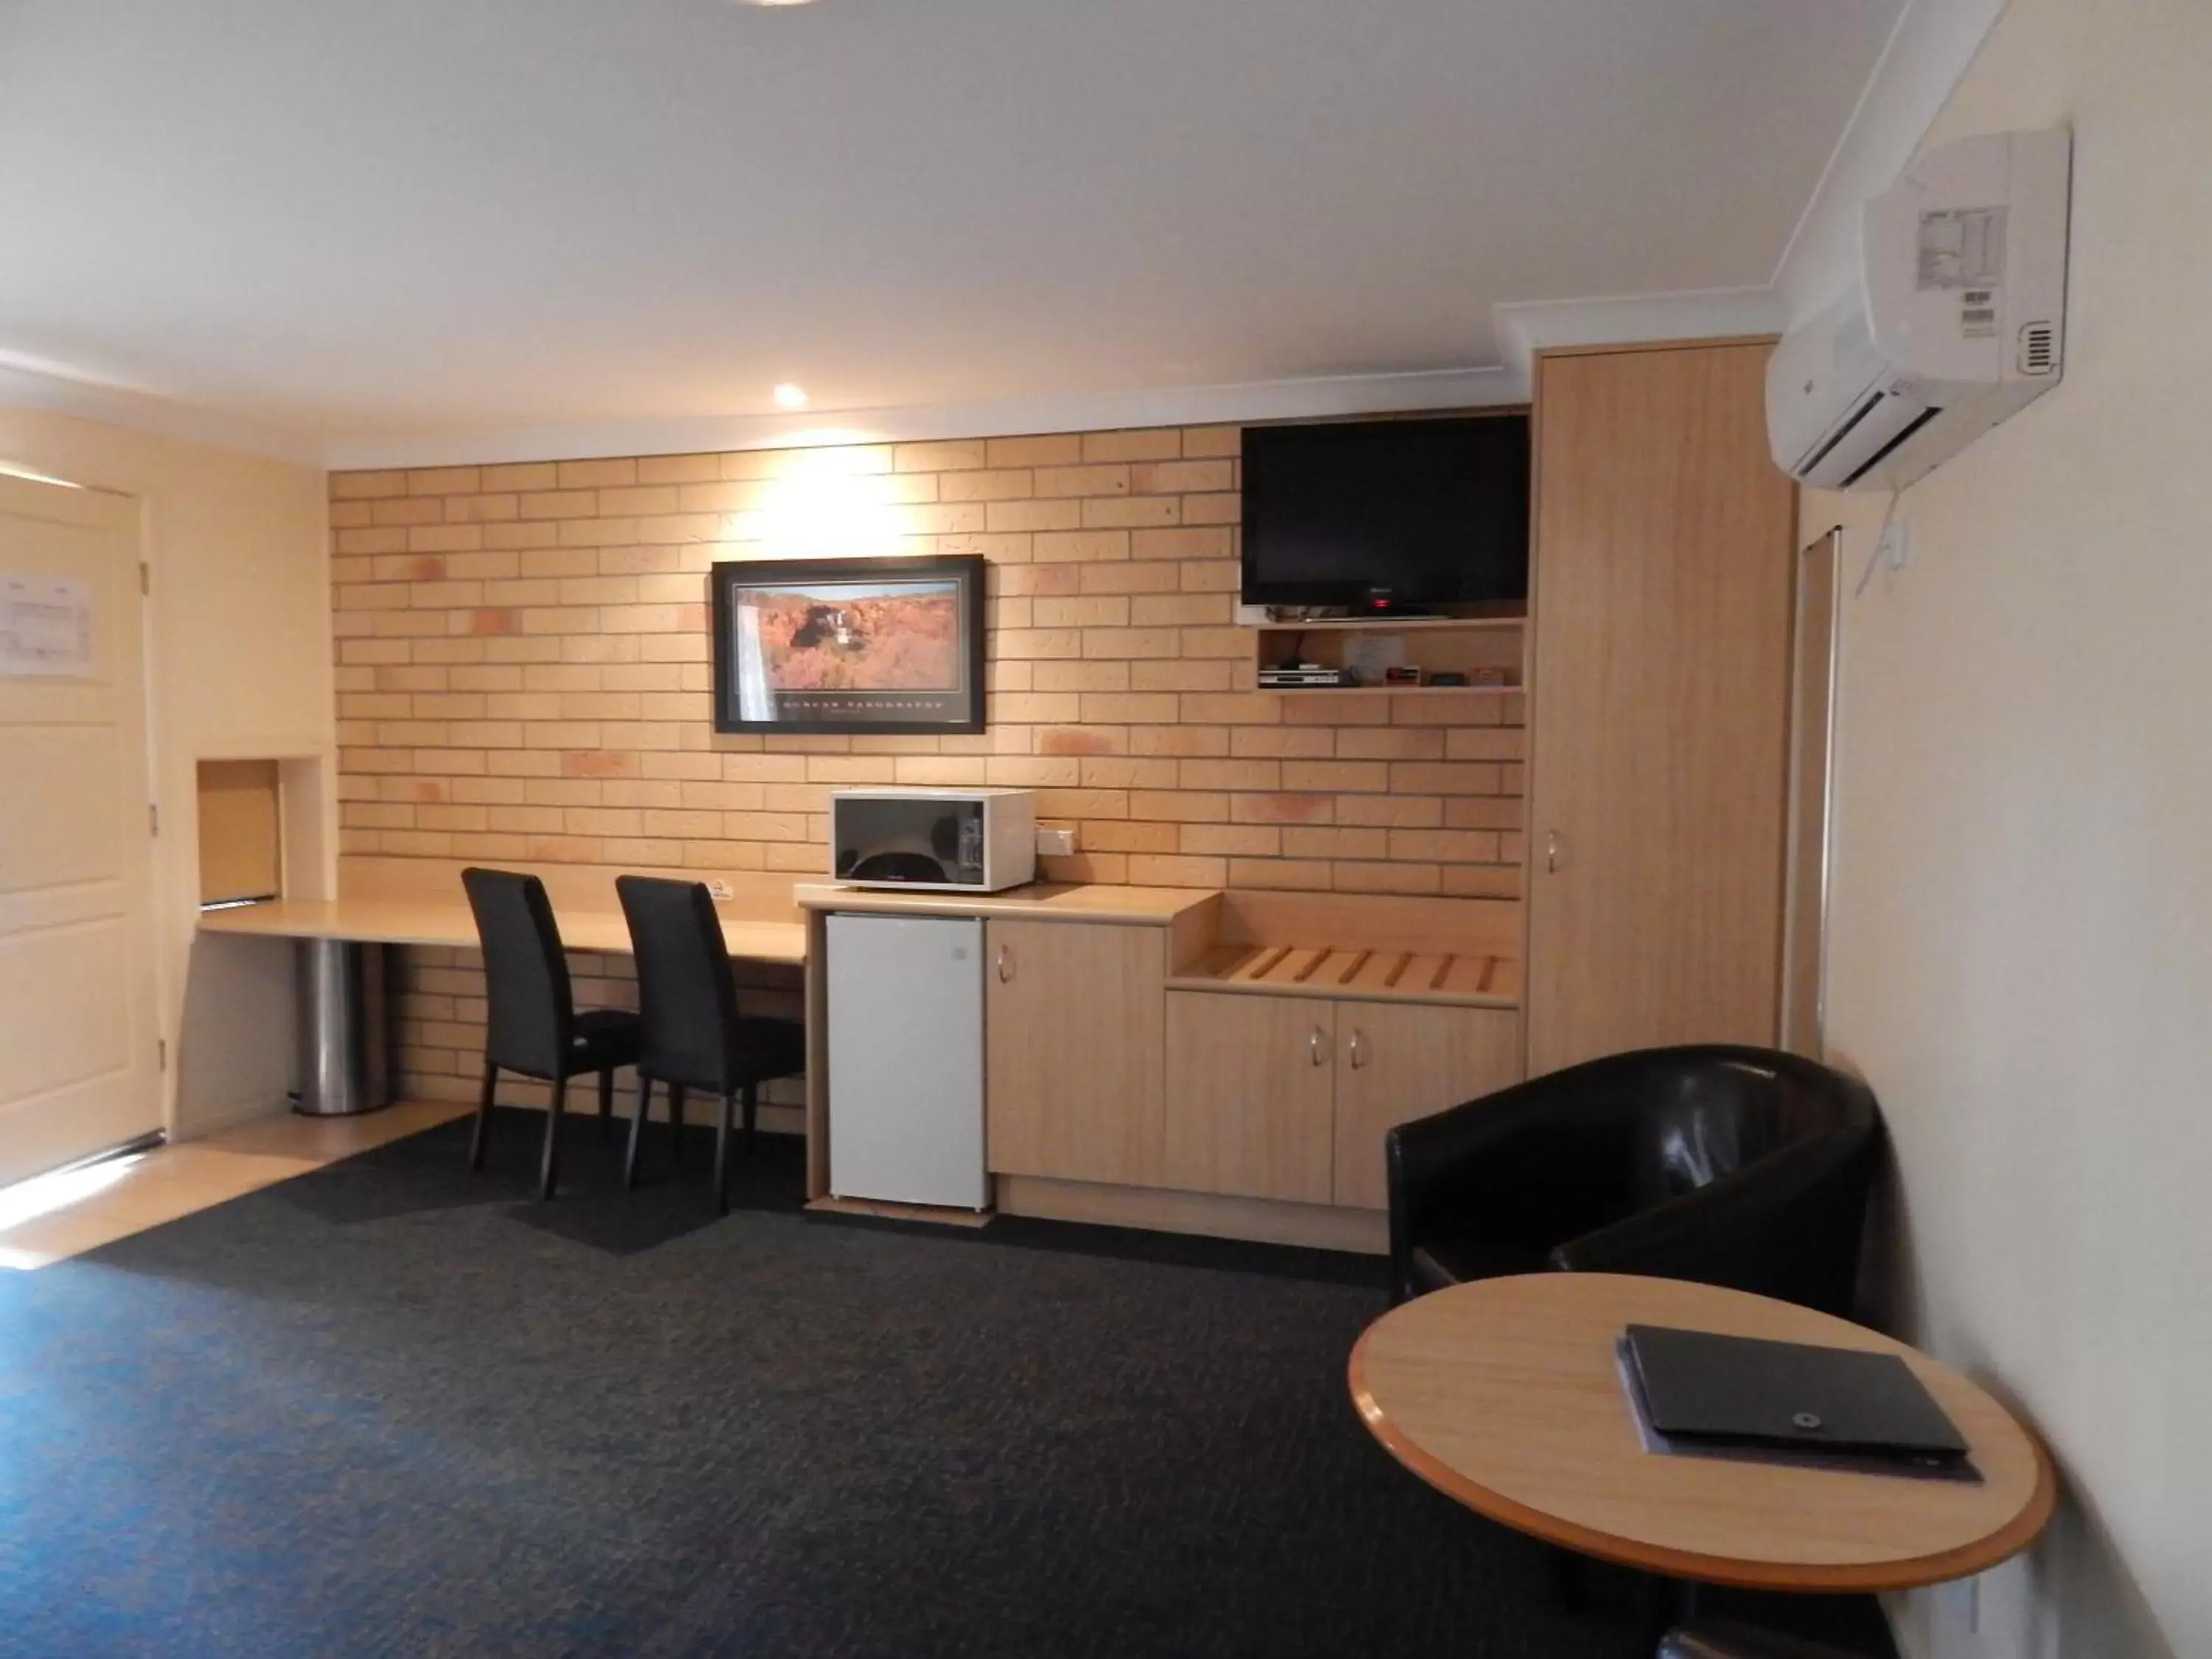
[(1503, 1393), (429, 921)]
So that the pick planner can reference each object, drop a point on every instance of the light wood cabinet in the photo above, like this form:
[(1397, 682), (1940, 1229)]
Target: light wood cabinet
[(1397, 1061), (1659, 703), (1289, 1096), (1251, 1089), (1075, 1048)]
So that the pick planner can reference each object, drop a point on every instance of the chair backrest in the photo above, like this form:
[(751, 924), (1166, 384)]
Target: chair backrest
[(531, 1015), (687, 994), (1701, 1113)]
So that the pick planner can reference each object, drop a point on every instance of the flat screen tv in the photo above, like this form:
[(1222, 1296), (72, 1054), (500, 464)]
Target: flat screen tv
[(1388, 515)]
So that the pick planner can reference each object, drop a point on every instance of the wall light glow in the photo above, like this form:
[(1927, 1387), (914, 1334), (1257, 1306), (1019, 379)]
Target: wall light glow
[(9, 469), (788, 396)]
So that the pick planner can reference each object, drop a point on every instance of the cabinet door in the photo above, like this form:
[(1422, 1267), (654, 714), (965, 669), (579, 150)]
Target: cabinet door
[(1072, 1032), (1251, 1086), (1659, 704), (1397, 1061)]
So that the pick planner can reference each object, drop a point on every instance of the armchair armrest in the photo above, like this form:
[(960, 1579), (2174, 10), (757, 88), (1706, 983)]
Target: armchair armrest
[(1522, 1165)]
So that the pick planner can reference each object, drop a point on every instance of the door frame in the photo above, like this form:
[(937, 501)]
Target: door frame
[(151, 931)]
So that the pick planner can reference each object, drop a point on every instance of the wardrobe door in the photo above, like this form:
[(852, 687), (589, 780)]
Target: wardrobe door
[(1659, 704)]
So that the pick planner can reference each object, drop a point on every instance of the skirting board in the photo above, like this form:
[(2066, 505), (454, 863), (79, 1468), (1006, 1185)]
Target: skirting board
[(883, 1210), (1263, 1220)]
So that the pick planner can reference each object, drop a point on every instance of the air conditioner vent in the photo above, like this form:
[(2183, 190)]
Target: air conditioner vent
[(2039, 349)]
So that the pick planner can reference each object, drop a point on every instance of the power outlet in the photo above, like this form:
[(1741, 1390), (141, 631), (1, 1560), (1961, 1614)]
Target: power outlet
[(1055, 843)]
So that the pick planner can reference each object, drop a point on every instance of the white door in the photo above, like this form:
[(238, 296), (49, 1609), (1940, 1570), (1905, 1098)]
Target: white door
[(79, 1071), (906, 1061)]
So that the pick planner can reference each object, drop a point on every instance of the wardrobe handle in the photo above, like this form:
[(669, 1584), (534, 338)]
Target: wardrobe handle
[(1358, 1048), (1551, 852), (1314, 1046), (1005, 964)]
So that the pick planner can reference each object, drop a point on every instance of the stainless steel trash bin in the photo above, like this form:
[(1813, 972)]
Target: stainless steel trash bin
[(344, 1061)]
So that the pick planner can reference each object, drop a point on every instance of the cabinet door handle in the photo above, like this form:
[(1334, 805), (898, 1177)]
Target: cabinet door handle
[(1358, 1048), (1314, 1046), (1551, 852), (1005, 964)]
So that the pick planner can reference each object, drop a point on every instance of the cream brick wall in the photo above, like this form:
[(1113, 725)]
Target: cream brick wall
[(523, 675)]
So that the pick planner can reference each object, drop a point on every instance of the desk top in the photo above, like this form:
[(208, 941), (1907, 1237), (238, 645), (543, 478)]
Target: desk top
[(1074, 900), (429, 921), (1505, 1395)]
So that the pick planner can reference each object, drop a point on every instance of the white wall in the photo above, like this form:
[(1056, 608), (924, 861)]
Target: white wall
[(238, 658), (2021, 952)]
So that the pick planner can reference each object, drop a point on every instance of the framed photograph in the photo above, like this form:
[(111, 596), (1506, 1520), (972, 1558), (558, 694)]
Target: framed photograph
[(849, 644)]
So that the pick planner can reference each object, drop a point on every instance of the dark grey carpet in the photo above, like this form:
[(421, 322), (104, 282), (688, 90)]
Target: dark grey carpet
[(386, 1410)]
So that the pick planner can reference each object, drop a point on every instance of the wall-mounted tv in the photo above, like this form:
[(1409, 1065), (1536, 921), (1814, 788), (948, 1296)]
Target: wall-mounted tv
[(1388, 515)]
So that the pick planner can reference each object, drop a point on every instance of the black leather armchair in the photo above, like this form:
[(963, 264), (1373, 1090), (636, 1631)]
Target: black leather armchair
[(1733, 1166)]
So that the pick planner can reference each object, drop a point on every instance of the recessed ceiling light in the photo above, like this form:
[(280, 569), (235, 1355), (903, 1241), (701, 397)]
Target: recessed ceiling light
[(778, 3), (787, 396)]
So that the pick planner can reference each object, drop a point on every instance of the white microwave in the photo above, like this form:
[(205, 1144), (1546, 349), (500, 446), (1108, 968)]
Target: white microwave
[(961, 840)]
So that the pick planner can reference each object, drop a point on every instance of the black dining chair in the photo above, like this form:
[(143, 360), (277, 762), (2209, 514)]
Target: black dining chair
[(531, 1027), (694, 1036)]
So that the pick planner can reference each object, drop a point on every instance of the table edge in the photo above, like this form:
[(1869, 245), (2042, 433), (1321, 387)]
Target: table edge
[(1908, 1573)]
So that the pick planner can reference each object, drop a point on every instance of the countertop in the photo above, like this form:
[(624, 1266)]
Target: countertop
[(419, 921), (1155, 907)]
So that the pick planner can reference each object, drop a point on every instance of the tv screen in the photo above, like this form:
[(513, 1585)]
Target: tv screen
[(1402, 513)]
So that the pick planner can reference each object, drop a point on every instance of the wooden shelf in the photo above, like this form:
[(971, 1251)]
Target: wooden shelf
[(1463, 645), (1393, 690), (1389, 624), (1362, 973)]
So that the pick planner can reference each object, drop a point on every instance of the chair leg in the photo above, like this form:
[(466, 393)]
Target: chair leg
[(676, 1125), (606, 1102), (752, 1111), (548, 1167), (483, 1118), (637, 1129), (722, 1156)]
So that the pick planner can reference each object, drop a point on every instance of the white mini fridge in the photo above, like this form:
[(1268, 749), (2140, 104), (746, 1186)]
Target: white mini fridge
[(906, 1060)]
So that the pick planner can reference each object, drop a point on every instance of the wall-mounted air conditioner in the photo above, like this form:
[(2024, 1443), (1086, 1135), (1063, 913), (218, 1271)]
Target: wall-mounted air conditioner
[(1957, 320)]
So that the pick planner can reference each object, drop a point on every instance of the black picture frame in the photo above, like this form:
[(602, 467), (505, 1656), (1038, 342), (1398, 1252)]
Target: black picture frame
[(852, 609)]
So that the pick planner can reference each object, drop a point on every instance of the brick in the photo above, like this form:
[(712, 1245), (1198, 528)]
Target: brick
[(1212, 441), (678, 469), (410, 510), (1131, 511), (592, 475), (1060, 449), (1152, 577), (1303, 875), (939, 457), (1482, 743), (1210, 542), (529, 475), (444, 481), (1181, 477), (1148, 870), (1283, 809), (999, 484), (366, 486), (1249, 775), (1176, 674), (1053, 481), (1313, 842)]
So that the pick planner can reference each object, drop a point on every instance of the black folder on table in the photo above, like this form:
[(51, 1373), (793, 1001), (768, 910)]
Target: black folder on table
[(1702, 1389)]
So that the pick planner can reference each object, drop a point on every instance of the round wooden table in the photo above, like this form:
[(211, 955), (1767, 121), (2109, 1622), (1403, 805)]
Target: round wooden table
[(1506, 1394)]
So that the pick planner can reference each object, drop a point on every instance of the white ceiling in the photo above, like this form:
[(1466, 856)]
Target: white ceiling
[(394, 217)]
